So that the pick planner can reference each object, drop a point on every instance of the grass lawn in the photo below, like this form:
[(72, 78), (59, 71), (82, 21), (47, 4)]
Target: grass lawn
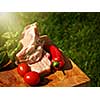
[(77, 34)]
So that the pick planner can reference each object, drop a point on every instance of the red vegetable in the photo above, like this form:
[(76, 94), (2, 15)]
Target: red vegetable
[(32, 78), (23, 68), (57, 57)]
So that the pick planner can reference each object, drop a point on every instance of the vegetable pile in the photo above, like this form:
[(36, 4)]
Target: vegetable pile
[(9, 46)]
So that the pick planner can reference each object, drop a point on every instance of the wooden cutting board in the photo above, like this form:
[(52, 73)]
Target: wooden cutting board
[(72, 75)]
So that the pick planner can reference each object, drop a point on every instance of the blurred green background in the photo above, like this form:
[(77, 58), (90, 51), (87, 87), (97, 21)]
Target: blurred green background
[(77, 34)]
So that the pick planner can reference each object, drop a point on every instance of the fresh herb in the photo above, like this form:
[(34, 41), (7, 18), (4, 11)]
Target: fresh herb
[(9, 46)]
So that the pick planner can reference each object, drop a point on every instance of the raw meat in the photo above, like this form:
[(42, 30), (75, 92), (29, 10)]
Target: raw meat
[(43, 66), (32, 47), (32, 52)]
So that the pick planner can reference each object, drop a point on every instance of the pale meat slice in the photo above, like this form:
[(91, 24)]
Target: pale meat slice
[(31, 51), (30, 35), (42, 66)]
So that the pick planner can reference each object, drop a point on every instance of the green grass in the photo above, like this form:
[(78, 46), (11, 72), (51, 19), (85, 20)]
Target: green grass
[(77, 34)]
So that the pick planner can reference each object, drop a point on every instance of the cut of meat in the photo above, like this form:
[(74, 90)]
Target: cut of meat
[(32, 52), (32, 47), (43, 66), (30, 35), (36, 55)]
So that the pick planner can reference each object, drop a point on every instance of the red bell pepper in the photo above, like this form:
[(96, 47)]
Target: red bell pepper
[(56, 57)]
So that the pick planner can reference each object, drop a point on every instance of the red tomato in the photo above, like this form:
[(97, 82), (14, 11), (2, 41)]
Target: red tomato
[(23, 68), (32, 78)]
